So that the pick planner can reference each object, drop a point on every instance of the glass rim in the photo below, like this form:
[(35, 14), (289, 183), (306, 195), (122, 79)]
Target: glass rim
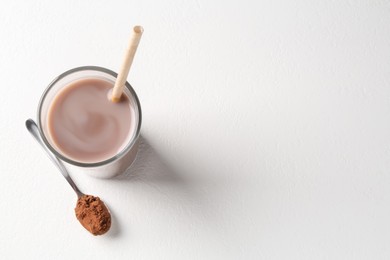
[(128, 146)]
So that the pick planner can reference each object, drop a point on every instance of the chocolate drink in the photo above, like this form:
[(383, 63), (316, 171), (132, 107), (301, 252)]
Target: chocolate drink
[(85, 125)]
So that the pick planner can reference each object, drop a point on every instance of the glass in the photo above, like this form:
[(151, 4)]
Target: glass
[(107, 168)]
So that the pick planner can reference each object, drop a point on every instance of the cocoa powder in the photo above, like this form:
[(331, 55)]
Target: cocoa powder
[(93, 214)]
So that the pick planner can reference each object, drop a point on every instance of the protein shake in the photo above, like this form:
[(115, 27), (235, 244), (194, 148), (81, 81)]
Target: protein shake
[(83, 128), (85, 125)]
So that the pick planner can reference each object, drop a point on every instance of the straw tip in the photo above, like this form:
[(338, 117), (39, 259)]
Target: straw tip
[(115, 99), (138, 29)]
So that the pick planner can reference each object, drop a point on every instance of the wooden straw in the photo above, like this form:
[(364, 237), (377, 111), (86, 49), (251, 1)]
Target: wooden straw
[(126, 64)]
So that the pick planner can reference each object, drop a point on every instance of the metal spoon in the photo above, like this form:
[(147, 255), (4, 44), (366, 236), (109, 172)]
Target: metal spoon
[(34, 131)]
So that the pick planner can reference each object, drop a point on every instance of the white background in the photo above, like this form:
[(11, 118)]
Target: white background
[(266, 131)]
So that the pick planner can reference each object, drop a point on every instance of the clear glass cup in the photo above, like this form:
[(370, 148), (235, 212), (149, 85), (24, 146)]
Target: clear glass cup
[(112, 166)]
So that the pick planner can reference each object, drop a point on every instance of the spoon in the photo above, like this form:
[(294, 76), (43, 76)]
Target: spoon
[(87, 205)]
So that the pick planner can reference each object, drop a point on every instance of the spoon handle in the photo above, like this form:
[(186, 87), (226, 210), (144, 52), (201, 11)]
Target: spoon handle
[(34, 131)]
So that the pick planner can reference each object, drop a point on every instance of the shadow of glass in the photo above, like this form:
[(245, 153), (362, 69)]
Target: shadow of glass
[(150, 167), (153, 178)]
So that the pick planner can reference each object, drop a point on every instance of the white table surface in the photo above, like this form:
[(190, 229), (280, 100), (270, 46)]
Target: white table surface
[(266, 131)]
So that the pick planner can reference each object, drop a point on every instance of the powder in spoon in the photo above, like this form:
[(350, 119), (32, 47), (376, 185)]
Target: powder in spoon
[(93, 214)]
